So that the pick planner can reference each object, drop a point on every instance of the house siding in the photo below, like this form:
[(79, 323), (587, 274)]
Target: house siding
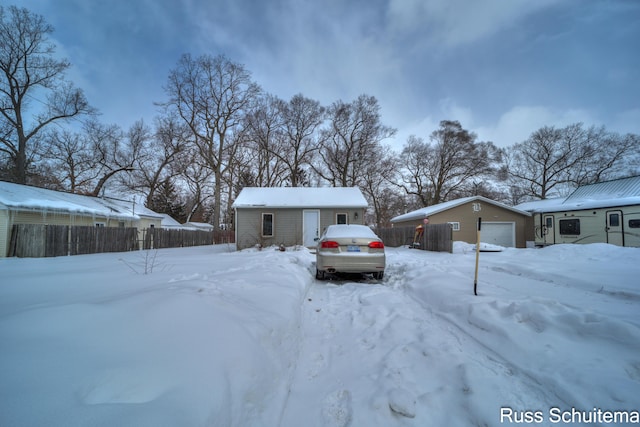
[(4, 233), (287, 224), (467, 215)]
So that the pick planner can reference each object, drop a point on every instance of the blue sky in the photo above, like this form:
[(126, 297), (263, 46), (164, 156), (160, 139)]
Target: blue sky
[(503, 68)]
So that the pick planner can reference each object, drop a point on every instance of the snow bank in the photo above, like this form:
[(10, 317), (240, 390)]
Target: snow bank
[(197, 342), (214, 337)]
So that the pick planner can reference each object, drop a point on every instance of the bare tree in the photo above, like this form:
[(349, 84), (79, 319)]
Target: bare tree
[(445, 167), (601, 155), (197, 177), (302, 118), (71, 160), (158, 160), (377, 185), (114, 151), (211, 95), (554, 161), (415, 171), (351, 142), (83, 162), (29, 71), (264, 159)]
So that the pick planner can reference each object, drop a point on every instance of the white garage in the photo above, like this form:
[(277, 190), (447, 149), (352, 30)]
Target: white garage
[(499, 233)]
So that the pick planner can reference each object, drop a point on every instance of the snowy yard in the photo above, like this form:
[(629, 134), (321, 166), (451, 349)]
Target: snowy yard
[(213, 337)]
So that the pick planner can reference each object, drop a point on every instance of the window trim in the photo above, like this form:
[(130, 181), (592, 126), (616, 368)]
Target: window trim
[(262, 223), (346, 218), (455, 225)]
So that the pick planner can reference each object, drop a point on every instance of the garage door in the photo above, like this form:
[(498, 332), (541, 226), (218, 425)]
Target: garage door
[(499, 233)]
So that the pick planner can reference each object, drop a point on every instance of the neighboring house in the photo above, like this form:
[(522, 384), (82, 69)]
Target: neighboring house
[(168, 223), (142, 217), (203, 226), (501, 224), (293, 215), (22, 204), (606, 212)]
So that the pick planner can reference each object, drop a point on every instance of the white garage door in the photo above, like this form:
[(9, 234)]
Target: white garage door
[(499, 233)]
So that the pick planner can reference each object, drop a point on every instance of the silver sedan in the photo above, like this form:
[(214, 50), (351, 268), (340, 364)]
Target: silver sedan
[(350, 249)]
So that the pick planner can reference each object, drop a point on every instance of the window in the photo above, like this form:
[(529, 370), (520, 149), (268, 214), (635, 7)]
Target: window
[(121, 224), (267, 225), (341, 218), (569, 226), (549, 222), (634, 223), (100, 224), (455, 226), (614, 220)]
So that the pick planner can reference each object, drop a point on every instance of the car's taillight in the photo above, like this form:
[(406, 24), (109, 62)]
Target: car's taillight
[(329, 244), (376, 245)]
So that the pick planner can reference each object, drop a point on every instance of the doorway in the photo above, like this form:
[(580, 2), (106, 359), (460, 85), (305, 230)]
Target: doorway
[(615, 235), (548, 233), (310, 227)]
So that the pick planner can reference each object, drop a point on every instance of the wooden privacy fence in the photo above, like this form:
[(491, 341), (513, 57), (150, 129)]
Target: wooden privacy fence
[(157, 238), (435, 237), (37, 240)]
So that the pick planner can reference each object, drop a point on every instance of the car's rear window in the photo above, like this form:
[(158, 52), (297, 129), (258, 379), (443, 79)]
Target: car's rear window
[(339, 231)]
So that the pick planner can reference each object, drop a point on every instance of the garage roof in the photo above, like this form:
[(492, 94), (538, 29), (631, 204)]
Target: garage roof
[(300, 197), (441, 207)]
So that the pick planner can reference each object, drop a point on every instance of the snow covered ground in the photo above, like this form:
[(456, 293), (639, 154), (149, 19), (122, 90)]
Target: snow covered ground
[(214, 337)]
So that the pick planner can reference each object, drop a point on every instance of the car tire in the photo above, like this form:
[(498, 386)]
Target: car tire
[(378, 275), (319, 274)]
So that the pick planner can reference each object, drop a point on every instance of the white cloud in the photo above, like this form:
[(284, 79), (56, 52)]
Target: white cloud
[(626, 122), (517, 124), (454, 22), (447, 109), (513, 126)]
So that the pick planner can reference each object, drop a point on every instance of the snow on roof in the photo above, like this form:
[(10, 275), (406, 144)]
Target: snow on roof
[(441, 207), (553, 205), (24, 197), (133, 207), (169, 222), (619, 192), (542, 205), (200, 225), (300, 197)]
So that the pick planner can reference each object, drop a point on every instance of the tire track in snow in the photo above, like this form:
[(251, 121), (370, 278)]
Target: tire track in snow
[(296, 357), (340, 338), (375, 355)]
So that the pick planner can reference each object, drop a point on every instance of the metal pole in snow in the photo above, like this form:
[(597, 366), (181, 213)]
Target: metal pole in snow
[(475, 281)]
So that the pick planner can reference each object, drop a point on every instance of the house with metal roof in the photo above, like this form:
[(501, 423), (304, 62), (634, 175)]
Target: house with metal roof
[(292, 216), (605, 212), (501, 224)]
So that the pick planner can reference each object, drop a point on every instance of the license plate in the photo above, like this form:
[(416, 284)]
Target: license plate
[(352, 248)]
